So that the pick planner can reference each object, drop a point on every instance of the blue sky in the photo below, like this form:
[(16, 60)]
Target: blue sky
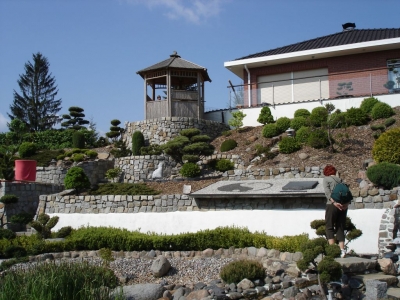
[(95, 47)]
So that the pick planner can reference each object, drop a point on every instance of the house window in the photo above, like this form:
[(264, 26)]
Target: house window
[(393, 73)]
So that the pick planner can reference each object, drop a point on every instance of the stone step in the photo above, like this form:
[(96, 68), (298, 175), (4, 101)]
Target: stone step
[(389, 279), (393, 293), (356, 264)]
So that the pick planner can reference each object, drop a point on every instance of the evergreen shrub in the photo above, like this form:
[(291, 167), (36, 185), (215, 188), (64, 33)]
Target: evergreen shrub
[(91, 154), (376, 127), (302, 112), (153, 149), (265, 116), (382, 110), (26, 149), (137, 142), (318, 139), (302, 134), (190, 170), (228, 145), (282, 124), (236, 271), (199, 148), (21, 218), (190, 132), (297, 122), (200, 138), (356, 117), (338, 120), (63, 232), (14, 251), (113, 173), (384, 174), (190, 158), (224, 165), (318, 116), (76, 179), (226, 133), (78, 140), (7, 234), (9, 198), (367, 104), (289, 145), (389, 122), (269, 131), (387, 147), (78, 157)]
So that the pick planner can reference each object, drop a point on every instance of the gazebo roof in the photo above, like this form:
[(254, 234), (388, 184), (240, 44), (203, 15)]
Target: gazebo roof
[(175, 62)]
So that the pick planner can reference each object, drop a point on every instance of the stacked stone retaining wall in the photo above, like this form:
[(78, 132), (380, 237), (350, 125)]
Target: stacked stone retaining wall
[(160, 131)]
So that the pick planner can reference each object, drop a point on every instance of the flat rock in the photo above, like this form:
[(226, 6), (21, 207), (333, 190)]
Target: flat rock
[(356, 264), (393, 293), (389, 279)]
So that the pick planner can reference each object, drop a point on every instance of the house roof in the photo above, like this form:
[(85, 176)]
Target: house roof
[(175, 62), (337, 39)]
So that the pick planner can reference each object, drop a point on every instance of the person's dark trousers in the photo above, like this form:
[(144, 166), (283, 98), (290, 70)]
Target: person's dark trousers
[(335, 222)]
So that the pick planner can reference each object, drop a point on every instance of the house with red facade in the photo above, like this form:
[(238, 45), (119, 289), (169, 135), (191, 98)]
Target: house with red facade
[(341, 68)]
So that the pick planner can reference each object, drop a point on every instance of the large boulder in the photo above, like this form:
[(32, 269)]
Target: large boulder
[(149, 291), (387, 266), (160, 266)]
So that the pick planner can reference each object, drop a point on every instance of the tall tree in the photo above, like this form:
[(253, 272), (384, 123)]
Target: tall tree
[(37, 105)]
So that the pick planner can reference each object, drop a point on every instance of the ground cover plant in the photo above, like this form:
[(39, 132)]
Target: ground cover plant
[(123, 189)]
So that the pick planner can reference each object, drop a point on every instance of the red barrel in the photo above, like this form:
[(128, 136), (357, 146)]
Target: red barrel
[(25, 170)]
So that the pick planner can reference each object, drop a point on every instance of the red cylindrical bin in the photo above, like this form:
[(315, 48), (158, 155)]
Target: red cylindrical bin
[(25, 169)]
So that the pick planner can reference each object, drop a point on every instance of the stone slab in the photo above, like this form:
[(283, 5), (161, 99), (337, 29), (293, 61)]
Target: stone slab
[(300, 185), (261, 188), (356, 264), (389, 279), (393, 293)]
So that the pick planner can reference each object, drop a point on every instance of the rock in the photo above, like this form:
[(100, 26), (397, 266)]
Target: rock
[(293, 271), (158, 173), (252, 138), (197, 295), (262, 252), (141, 291), (234, 295), (186, 189), (208, 252), (290, 292), (167, 294), (303, 156), (245, 284), (180, 292), (251, 251), (160, 266), (356, 264), (387, 266), (199, 286), (375, 289), (103, 155)]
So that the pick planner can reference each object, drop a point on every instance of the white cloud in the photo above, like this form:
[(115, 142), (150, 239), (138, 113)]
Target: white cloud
[(193, 11), (3, 123)]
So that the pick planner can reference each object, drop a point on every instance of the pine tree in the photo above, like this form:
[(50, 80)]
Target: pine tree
[(36, 106)]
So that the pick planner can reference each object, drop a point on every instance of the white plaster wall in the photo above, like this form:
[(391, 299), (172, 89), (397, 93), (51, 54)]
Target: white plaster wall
[(287, 110), (273, 222)]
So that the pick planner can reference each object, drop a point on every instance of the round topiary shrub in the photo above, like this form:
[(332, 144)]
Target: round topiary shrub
[(367, 104), (289, 145), (302, 134), (9, 198), (282, 124), (381, 110), (265, 116), (384, 175), (63, 232), (387, 147), (91, 154), (269, 131), (302, 112), (224, 165), (236, 271), (137, 142), (76, 179), (190, 170), (190, 158), (78, 157), (78, 140), (318, 139), (318, 116), (356, 117), (298, 122), (228, 145), (26, 149)]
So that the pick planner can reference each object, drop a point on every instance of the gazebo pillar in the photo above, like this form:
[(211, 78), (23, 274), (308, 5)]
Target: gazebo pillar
[(169, 95), (145, 98)]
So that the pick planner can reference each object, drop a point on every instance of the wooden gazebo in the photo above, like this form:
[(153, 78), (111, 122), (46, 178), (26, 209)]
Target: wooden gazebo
[(174, 88)]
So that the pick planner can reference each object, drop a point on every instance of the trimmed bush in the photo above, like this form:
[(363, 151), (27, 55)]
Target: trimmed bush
[(78, 157), (376, 127), (289, 145), (14, 251), (9, 198), (76, 179), (21, 218), (318, 116), (190, 132), (26, 149), (318, 139), (223, 165), (190, 158), (199, 148), (137, 142), (269, 131), (384, 175), (113, 173), (63, 232), (302, 134), (337, 120), (298, 122), (387, 147), (389, 122), (265, 116), (91, 154), (228, 145), (381, 110), (190, 170), (7, 234), (78, 140), (302, 112), (356, 117), (226, 133), (151, 150), (236, 271), (200, 138), (367, 104), (282, 124)]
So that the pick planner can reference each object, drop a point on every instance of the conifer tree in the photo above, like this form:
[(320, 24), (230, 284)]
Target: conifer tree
[(36, 105)]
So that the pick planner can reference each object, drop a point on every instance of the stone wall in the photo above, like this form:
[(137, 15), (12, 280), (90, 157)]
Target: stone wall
[(95, 170), (160, 131), (28, 194)]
